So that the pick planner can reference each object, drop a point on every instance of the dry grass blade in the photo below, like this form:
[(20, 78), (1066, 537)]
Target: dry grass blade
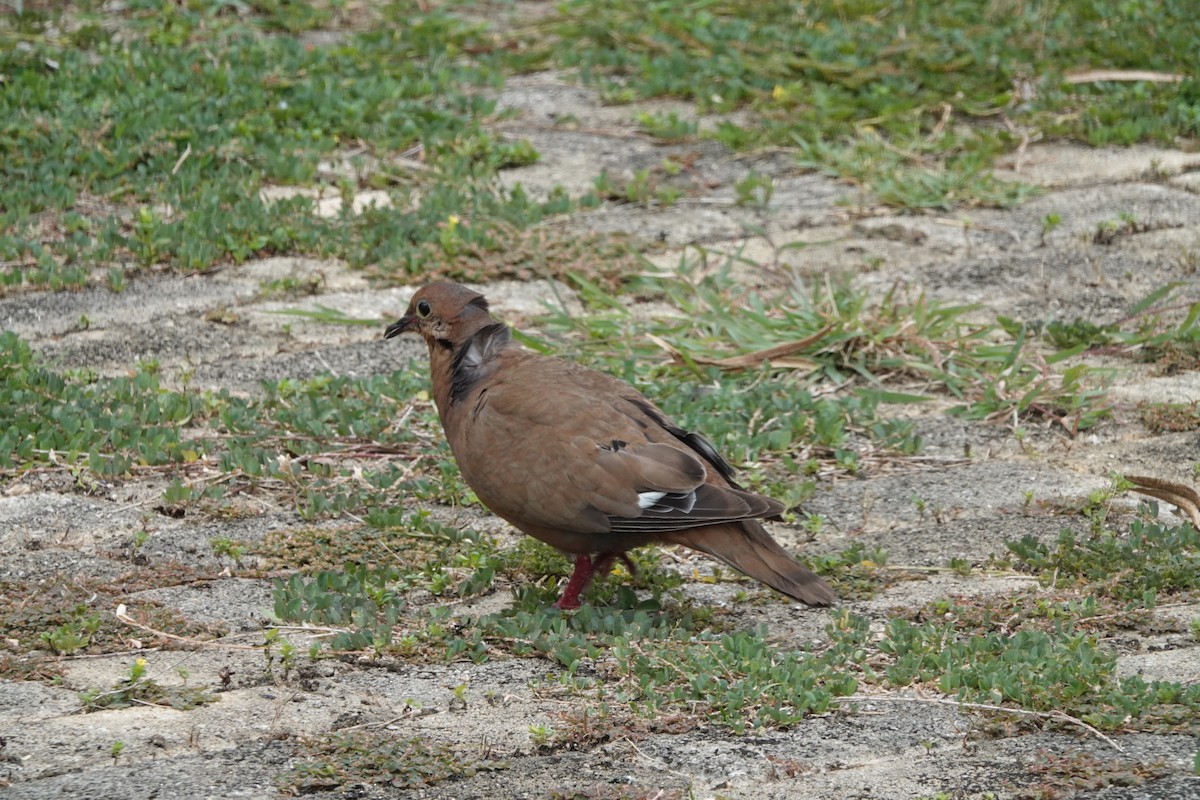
[(1183, 497), (780, 356), (122, 616), (1058, 716), (1098, 75)]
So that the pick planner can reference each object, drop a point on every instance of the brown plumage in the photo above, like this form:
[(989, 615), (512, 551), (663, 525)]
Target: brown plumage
[(582, 460)]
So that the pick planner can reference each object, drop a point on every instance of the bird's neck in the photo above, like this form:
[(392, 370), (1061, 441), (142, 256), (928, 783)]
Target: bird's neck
[(441, 375), (458, 369)]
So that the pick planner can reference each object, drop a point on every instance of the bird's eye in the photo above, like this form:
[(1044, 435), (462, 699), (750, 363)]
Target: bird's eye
[(423, 308)]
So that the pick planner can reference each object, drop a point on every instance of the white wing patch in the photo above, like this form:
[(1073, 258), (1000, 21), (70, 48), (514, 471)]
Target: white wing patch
[(649, 499), (666, 502)]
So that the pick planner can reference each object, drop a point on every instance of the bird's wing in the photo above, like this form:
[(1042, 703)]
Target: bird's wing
[(553, 445)]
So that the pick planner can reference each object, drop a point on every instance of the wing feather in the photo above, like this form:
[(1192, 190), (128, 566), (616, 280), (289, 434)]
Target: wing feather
[(623, 465)]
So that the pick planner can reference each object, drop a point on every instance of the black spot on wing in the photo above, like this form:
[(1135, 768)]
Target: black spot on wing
[(693, 440), (480, 402)]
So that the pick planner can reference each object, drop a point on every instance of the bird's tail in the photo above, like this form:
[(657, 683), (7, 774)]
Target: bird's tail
[(747, 547)]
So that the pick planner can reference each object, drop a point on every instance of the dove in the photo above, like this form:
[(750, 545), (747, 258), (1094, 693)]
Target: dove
[(583, 461)]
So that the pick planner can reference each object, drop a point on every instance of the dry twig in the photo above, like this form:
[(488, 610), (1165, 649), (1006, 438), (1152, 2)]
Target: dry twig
[(1058, 716)]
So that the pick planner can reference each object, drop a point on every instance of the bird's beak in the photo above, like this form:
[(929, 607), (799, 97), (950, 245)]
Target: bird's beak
[(403, 325)]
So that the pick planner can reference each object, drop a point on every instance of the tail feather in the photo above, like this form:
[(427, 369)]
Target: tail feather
[(747, 547)]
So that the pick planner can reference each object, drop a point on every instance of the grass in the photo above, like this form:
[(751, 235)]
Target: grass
[(68, 615), (117, 164), (911, 100), (656, 655), (118, 157), (757, 382), (900, 349), (341, 760), (139, 688)]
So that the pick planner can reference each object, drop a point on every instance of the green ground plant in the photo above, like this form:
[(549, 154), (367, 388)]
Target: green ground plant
[(192, 170), (139, 688), (68, 615), (1160, 329), (1067, 775), (651, 652), (117, 163), (107, 426), (911, 100), (72, 636), (345, 759), (1065, 672), (1170, 417), (1149, 560), (901, 349)]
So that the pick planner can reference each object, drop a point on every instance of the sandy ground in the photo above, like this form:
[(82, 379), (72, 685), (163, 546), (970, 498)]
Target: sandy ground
[(893, 748)]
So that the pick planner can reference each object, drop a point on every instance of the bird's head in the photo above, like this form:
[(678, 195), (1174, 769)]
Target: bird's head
[(444, 314)]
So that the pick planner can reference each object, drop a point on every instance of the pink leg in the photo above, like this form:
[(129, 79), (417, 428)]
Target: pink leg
[(580, 578), (587, 569)]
